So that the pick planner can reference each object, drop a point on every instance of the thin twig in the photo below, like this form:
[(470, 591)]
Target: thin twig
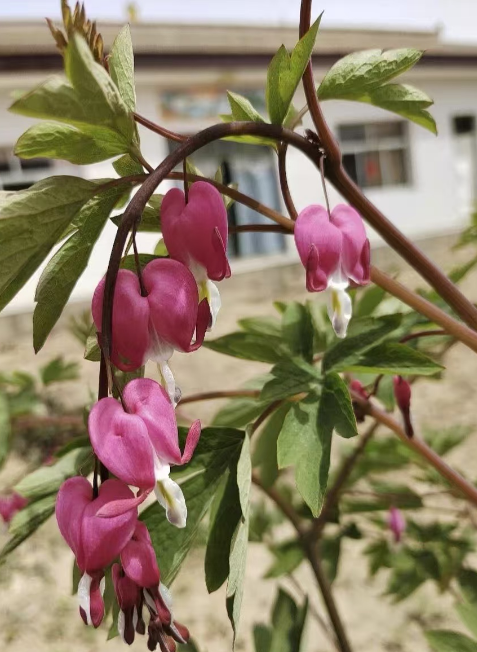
[(419, 334), (419, 446), (258, 228), (282, 504), (285, 188), (157, 129)]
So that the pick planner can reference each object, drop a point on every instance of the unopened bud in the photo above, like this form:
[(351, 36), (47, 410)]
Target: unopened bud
[(402, 394), (396, 523)]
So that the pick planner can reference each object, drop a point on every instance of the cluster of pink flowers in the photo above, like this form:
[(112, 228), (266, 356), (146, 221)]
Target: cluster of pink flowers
[(169, 309), (335, 252)]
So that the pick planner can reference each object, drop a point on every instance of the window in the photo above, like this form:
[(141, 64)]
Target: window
[(253, 170), (376, 154), (18, 174)]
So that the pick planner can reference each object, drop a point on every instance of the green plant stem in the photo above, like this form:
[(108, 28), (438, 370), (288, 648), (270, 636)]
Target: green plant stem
[(285, 188), (419, 446), (338, 176), (313, 560), (337, 488)]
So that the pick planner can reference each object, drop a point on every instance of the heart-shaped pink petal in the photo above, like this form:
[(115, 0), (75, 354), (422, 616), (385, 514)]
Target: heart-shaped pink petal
[(121, 441)]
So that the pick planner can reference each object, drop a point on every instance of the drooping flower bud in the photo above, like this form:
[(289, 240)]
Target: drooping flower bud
[(140, 575), (195, 233), (10, 505), (139, 445), (402, 394), (151, 327), (94, 538), (335, 252), (396, 523)]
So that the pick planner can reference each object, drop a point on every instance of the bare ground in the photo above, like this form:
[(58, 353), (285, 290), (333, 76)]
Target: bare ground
[(37, 611)]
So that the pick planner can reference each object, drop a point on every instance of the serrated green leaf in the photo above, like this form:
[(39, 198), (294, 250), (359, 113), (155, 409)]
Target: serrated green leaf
[(248, 346), (99, 95), (403, 99), (394, 358), (364, 334), (363, 71), (46, 480), (305, 443), (121, 67), (5, 428), (291, 377), (26, 522), (336, 403), (297, 329), (31, 221), (265, 452), (68, 264), (67, 143), (217, 451), (126, 166), (89, 101), (442, 640), (285, 72)]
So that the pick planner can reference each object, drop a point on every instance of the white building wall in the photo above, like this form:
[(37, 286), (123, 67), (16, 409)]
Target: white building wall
[(427, 206)]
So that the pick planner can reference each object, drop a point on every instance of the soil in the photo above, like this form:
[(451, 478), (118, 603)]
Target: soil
[(37, 611)]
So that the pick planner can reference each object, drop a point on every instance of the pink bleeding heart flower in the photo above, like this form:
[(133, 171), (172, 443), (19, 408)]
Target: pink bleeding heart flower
[(396, 523), (402, 394), (94, 539), (335, 252), (140, 444), (10, 505), (139, 581), (152, 326), (196, 233)]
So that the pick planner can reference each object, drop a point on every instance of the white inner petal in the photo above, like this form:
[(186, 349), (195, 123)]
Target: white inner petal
[(166, 595), (170, 496), (339, 310), (121, 624), (84, 596), (212, 294)]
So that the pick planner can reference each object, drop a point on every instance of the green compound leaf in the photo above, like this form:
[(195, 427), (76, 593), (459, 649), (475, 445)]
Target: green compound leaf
[(121, 67), (336, 404), (31, 222), (360, 72), (298, 331), (394, 358), (67, 265), (285, 72), (217, 452)]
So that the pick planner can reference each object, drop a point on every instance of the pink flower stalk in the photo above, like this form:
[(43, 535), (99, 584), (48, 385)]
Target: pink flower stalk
[(402, 394), (96, 530), (195, 233), (140, 444), (335, 252), (151, 327), (10, 505), (139, 582), (396, 523)]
